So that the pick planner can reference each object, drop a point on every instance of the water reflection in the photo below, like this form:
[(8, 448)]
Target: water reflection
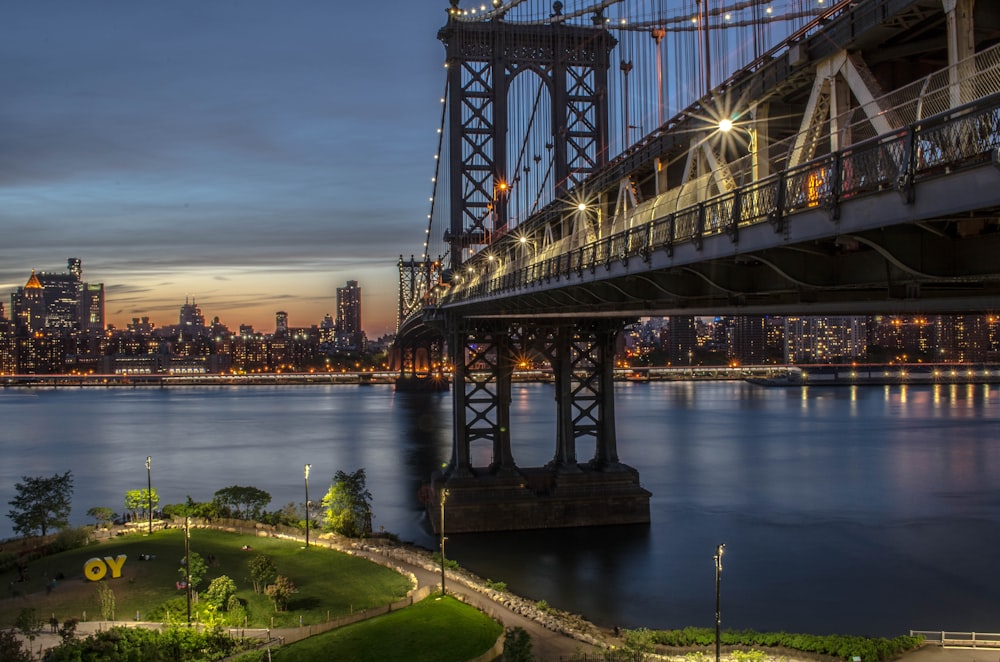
[(853, 509)]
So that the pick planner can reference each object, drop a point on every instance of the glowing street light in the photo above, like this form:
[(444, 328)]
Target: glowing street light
[(726, 125), (187, 564), (149, 493), (444, 497), (306, 472), (718, 611)]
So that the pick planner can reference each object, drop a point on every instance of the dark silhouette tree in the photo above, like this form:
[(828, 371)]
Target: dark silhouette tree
[(247, 501), (41, 504)]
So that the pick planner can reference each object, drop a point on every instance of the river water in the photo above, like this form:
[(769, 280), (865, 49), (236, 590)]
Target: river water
[(861, 510)]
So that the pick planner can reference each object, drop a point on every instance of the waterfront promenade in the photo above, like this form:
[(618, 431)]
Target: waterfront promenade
[(555, 635)]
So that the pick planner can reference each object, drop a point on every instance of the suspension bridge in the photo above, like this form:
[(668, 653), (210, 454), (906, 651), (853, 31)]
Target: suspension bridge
[(602, 161)]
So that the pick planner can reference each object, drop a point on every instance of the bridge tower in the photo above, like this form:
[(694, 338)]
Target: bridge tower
[(417, 354), (483, 58)]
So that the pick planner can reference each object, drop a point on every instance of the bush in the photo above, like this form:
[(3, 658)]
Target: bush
[(71, 538), (499, 587), (219, 592), (843, 646)]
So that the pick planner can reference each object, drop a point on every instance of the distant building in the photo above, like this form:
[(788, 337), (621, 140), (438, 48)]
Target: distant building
[(91, 315), (349, 336), (817, 339), (682, 340), (280, 323), (27, 306), (191, 321)]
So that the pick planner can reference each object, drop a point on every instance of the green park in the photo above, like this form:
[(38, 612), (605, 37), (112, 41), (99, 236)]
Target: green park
[(182, 589), (226, 579)]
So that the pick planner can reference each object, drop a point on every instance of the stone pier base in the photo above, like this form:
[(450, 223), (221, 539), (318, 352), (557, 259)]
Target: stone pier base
[(539, 498)]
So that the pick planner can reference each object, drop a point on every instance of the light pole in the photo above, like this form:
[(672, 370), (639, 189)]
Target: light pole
[(444, 497), (187, 564), (149, 493), (306, 472), (718, 610)]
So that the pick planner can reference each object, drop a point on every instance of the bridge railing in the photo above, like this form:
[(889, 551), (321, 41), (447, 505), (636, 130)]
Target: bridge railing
[(966, 136)]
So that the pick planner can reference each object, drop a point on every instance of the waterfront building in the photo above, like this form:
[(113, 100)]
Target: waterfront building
[(280, 323), (817, 339), (682, 339)]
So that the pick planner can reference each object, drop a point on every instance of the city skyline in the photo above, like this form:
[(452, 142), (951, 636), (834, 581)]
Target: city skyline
[(236, 154)]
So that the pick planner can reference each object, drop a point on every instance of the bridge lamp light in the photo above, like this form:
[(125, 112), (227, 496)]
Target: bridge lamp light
[(726, 125)]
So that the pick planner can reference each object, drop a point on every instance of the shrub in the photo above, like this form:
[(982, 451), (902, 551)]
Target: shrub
[(71, 538), (219, 592)]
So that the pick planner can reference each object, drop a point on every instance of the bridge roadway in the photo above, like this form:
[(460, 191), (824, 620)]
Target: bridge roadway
[(883, 233)]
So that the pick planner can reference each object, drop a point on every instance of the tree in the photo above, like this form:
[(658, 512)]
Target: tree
[(219, 591), (138, 503), (347, 505), (106, 599), (247, 501), (27, 622), (280, 591), (11, 648), (198, 569), (102, 514), (41, 504), (262, 572), (517, 646)]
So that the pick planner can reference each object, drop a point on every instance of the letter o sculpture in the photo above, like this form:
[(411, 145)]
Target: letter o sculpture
[(95, 569)]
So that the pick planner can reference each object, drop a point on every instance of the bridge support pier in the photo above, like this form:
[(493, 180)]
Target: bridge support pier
[(503, 496)]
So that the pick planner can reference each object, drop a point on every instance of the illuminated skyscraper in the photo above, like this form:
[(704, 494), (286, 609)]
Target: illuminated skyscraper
[(91, 314), (350, 337), (27, 306), (191, 321)]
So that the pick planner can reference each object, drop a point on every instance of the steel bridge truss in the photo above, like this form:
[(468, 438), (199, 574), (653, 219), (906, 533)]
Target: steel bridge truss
[(886, 244), (502, 495), (483, 59), (484, 356)]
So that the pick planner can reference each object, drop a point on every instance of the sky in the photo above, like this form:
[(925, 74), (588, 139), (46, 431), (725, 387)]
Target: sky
[(252, 155)]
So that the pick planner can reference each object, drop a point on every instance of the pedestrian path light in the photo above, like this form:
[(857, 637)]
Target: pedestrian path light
[(718, 611)]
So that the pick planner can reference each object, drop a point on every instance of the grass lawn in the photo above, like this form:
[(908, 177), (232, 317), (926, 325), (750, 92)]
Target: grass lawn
[(433, 630), (329, 583)]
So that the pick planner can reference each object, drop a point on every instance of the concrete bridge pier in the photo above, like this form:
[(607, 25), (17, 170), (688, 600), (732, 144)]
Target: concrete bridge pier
[(504, 496)]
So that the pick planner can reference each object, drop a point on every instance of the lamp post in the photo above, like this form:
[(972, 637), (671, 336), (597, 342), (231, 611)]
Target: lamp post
[(187, 564), (305, 471), (726, 125), (718, 611), (444, 497), (149, 493)]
